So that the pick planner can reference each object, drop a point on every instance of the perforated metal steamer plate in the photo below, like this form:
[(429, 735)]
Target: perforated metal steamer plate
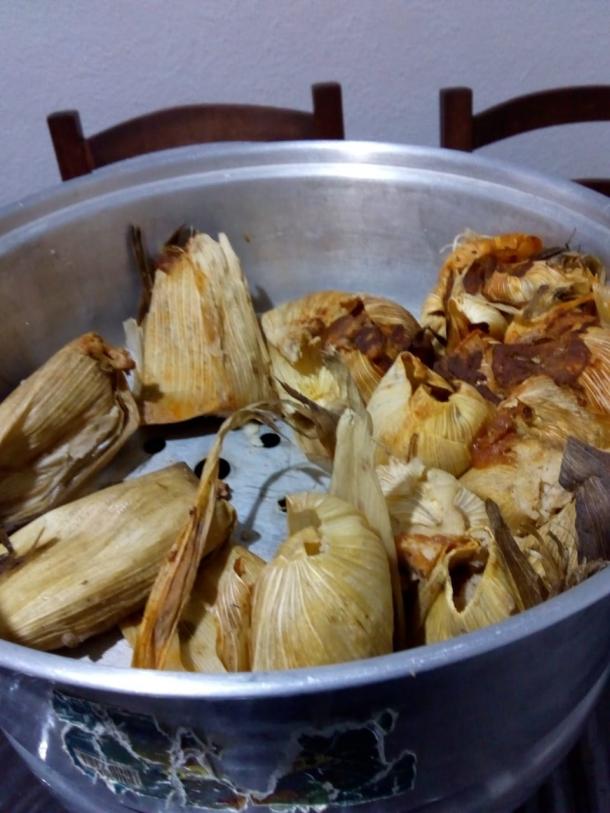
[(263, 467)]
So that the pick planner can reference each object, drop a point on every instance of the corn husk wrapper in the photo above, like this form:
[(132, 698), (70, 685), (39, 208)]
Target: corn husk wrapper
[(174, 583), (233, 608), (198, 348), (595, 378), (556, 413), (529, 585), (546, 316), (477, 591), (367, 332), (482, 586), (430, 583), (552, 550), (129, 629), (585, 471), (601, 295), (433, 315), (431, 513), (467, 312), (523, 479), (213, 634), (315, 425), (61, 425), (355, 480), (326, 597), (579, 360), (81, 568), (416, 413), (471, 361), (469, 248), (519, 289)]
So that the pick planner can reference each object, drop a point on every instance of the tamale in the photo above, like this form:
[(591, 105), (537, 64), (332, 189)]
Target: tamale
[(84, 566), (477, 256), (326, 596), (478, 590), (520, 473), (431, 513), (62, 424), (417, 413), (198, 348), (367, 332)]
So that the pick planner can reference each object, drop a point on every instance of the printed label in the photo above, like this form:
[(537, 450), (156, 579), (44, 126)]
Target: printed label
[(340, 765)]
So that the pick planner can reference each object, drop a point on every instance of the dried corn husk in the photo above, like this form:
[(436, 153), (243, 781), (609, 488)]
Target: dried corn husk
[(326, 597), (198, 348), (431, 513), (564, 359), (556, 414), (601, 295), (84, 566), (481, 585), (366, 331), (315, 424), (595, 377), (61, 425), (129, 629), (471, 361), (521, 475), (529, 585), (173, 585), (546, 316), (478, 590), (552, 550), (467, 312), (577, 359), (234, 608), (586, 472), (433, 314), (479, 255), (214, 629), (519, 288), (469, 248), (417, 413), (354, 480)]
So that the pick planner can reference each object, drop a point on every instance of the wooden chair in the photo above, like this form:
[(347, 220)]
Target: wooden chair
[(461, 129), (192, 124)]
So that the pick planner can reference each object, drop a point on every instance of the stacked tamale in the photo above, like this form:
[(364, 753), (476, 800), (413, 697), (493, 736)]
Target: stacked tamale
[(469, 460)]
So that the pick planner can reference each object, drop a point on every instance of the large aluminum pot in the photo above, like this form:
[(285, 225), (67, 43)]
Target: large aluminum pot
[(468, 725)]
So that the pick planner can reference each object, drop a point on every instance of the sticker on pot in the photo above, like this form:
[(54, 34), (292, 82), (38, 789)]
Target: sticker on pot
[(131, 753)]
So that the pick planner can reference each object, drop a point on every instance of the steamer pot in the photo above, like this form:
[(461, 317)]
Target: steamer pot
[(473, 724)]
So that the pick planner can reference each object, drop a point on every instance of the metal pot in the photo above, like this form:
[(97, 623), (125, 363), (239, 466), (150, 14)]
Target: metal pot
[(470, 725)]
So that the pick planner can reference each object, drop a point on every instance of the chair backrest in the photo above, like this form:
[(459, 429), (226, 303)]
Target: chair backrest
[(193, 124), (461, 129)]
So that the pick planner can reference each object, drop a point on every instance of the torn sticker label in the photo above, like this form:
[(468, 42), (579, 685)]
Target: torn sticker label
[(341, 765)]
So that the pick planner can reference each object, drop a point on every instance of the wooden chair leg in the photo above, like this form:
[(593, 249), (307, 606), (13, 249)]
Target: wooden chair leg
[(71, 148), (598, 184), (457, 123), (328, 110)]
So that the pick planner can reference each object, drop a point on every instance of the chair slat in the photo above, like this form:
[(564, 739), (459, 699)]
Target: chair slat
[(462, 129), (192, 124)]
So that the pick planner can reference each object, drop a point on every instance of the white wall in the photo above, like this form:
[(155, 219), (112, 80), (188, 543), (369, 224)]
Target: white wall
[(112, 59)]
